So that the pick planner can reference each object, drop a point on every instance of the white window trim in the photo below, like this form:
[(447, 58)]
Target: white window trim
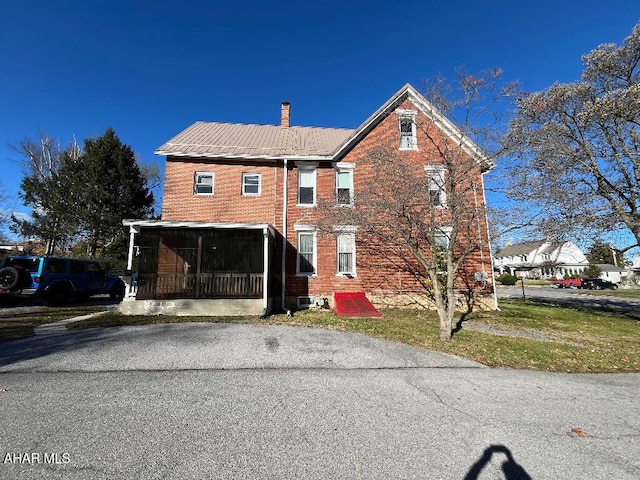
[(349, 230), (307, 229), (249, 174), (195, 184), (439, 170), (342, 167), (313, 168), (408, 115)]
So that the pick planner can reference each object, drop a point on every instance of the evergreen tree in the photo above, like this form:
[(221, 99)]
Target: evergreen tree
[(602, 252), (105, 185), (82, 195)]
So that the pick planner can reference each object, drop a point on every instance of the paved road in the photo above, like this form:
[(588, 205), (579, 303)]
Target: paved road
[(271, 402), (572, 296)]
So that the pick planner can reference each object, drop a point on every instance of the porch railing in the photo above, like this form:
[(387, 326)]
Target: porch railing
[(205, 285)]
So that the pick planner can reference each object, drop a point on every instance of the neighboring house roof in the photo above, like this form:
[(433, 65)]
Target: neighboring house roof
[(607, 267), (519, 249), (232, 140)]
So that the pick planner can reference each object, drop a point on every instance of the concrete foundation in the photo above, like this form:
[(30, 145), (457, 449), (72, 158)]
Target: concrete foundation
[(193, 307)]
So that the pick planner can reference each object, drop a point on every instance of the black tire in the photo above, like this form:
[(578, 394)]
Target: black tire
[(58, 294), (9, 278), (117, 292)]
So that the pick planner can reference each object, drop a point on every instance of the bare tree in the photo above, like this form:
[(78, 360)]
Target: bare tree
[(425, 215), (576, 147), (41, 159), (5, 214)]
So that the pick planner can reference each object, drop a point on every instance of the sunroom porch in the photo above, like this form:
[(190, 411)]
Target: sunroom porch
[(198, 268)]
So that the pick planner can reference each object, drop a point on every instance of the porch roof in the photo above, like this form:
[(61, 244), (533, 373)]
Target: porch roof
[(137, 224)]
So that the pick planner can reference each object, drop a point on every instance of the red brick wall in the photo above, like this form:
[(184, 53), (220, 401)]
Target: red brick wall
[(227, 204), (375, 270)]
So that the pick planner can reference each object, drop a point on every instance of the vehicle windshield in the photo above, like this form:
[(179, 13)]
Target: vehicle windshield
[(31, 265)]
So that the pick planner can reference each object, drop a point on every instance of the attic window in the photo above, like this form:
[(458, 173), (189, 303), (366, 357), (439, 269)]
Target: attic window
[(407, 122)]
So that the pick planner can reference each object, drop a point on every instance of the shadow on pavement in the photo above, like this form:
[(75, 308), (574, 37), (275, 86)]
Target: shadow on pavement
[(511, 469), (43, 345)]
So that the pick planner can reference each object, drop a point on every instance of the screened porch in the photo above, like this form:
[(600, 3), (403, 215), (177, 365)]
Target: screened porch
[(197, 260)]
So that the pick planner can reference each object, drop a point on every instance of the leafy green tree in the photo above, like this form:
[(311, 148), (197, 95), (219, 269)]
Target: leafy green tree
[(103, 186), (576, 147)]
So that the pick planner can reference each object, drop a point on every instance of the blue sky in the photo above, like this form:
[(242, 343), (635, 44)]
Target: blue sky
[(151, 68)]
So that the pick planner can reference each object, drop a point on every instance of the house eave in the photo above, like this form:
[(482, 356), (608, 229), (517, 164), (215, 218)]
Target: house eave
[(135, 224), (274, 158), (442, 122)]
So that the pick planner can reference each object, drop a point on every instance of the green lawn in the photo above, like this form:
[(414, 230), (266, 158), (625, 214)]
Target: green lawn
[(16, 323), (522, 335)]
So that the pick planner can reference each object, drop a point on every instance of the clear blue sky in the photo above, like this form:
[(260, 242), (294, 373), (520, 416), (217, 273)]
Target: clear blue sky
[(151, 68)]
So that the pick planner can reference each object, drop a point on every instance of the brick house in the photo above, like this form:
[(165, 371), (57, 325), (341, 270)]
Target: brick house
[(249, 193)]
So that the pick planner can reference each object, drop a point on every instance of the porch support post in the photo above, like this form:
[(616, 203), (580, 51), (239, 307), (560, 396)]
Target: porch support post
[(132, 236), (265, 272)]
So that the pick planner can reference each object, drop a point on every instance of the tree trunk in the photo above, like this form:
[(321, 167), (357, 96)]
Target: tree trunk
[(446, 324)]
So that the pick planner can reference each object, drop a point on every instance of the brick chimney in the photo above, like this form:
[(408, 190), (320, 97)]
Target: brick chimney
[(285, 110)]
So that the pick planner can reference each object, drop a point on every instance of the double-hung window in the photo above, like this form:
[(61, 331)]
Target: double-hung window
[(344, 183), (346, 250), (442, 241), (307, 186), (442, 238), (307, 255), (203, 183), (251, 184), (436, 183), (407, 124)]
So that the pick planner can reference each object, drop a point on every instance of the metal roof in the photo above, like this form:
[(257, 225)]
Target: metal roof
[(229, 140)]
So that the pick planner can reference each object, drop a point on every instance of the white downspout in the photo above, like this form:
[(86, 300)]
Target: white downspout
[(285, 195), (486, 219)]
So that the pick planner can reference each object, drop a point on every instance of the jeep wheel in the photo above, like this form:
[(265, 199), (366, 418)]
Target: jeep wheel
[(58, 294), (9, 278), (117, 292)]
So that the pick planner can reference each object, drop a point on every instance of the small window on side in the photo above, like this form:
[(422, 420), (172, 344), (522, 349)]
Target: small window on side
[(203, 183), (251, 184)]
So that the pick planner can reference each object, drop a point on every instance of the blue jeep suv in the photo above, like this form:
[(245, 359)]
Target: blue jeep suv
[(56, 280)]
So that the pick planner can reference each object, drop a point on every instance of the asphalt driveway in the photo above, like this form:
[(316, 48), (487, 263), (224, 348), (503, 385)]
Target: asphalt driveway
[(212, 346), (241, 401)]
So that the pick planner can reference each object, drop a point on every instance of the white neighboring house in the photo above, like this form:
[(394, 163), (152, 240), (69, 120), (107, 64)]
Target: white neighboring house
[(541, 259), (612, 273)]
